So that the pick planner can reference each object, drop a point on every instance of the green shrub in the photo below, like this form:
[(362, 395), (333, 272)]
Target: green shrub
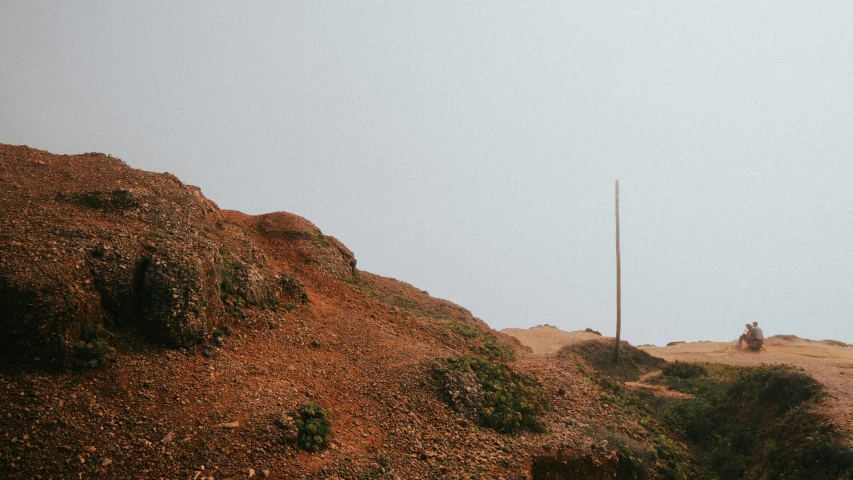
[(633, 459), (510, 402), (806, 446), (759, 423), (293, 289), (483, 343), (713, 383), (685, 370), (778, 387), (91, 351), (692, 419), (314, 427), (228, 288), (672, 463)]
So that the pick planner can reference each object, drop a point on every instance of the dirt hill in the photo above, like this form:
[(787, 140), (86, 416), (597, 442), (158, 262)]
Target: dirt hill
[(149, 334), (547, 339)]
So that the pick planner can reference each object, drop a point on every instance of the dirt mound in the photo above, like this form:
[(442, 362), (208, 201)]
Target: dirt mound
[(548, 340), (297, 243), (633, 362), (795, 340)]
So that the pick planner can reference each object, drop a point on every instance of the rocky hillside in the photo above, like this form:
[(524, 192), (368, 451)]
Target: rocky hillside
[(149, 334)]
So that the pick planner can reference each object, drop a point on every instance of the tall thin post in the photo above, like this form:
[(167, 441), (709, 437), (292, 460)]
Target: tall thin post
[(618, 279)]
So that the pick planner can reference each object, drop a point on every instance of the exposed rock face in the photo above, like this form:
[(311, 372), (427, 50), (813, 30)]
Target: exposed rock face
[(86, 239)]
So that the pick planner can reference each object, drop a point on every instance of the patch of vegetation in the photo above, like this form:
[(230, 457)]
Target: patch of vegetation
[(684, 370), (293, 289), (91, 351), (589, 330), (742, 422), (314, 427), (482, 343), (319, 239), (710, 384), (634, 459), (664, 458), (633, 362), (271, 303), (509, 402), (221, 333), (758, 423), (228, 287)]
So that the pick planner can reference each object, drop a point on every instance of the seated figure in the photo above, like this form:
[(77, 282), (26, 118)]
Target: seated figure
[(757, 340), (746, 337)]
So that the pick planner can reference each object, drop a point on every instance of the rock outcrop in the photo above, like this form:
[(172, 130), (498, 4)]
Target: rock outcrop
[(87, 240)]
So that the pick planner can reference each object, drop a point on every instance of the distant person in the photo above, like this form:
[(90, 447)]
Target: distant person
[(757, 332), (746, 337)]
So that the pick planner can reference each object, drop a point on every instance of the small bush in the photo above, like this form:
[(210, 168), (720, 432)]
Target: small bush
[(671, 462), (510, 402), (293, 289), (807, 446), (633, 460), (314, 427), (692, 419), (684, 370), (91, 351), (483, 343), (589, 330)]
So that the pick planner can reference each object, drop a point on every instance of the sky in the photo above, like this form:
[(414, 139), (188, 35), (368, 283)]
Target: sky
[(471, 148)]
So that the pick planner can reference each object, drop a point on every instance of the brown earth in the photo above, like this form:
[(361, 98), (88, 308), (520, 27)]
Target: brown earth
[(87, 241)]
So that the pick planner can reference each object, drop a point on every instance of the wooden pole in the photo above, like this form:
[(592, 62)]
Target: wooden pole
[(618, 280)]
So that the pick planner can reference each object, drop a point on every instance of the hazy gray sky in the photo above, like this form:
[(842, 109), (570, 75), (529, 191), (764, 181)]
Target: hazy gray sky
[(470, 148)]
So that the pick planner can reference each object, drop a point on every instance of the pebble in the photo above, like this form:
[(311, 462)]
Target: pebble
[(228, 425)]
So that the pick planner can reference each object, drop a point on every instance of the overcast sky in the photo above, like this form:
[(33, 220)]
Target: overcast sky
[(471, 148)]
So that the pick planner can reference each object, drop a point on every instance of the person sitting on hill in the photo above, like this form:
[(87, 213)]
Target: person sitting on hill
[(757, 332), (746, 337)]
